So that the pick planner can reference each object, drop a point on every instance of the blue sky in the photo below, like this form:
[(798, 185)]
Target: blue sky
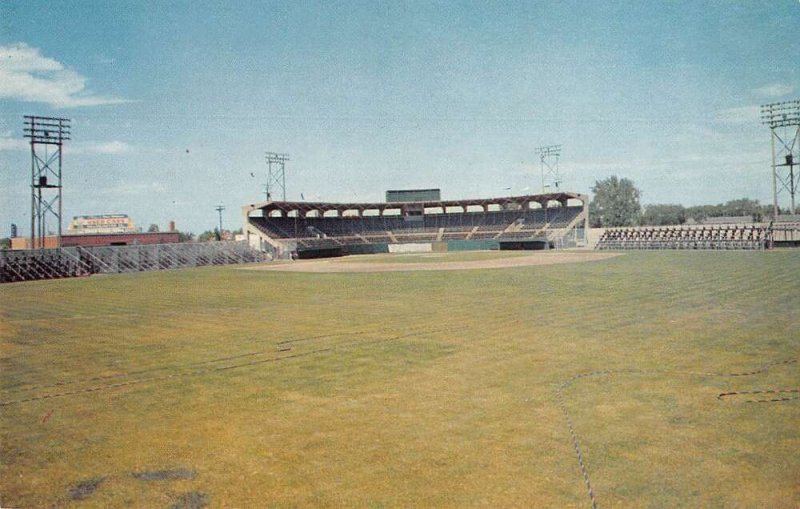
[(173, 104)]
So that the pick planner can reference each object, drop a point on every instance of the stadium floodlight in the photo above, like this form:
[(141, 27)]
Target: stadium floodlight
[(47, 136), (219, 209), (548, 158), (550, 150), (783, 120), (783, 114), (276, 174)]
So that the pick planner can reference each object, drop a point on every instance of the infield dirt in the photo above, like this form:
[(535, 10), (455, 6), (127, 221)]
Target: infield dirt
[(435, 263)]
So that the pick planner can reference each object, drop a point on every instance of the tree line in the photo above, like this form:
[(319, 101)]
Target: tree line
[(616, 203)]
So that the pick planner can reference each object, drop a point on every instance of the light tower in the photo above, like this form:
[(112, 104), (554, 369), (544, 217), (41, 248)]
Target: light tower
[(783, 119), (276, 175), (548, 156), (44, 133), (219, 209)]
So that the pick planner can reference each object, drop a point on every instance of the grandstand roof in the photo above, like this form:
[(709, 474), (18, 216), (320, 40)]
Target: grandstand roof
[(304, 206)]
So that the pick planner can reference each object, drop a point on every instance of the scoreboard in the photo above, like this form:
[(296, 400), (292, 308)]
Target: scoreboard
[(103, 223), (413, 195)]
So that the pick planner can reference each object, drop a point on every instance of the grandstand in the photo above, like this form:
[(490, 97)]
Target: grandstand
[(314, 229), (717, 236)]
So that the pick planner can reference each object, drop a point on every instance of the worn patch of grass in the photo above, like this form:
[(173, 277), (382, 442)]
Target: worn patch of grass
[(165, 475), (84, 489), (405, 389), (192, 500)]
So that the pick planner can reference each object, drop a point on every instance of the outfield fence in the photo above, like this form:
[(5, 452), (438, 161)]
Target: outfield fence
[(29, 265)]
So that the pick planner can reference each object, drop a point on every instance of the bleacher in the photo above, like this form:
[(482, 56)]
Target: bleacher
[(728, 236), (40, 264), (35, 264)]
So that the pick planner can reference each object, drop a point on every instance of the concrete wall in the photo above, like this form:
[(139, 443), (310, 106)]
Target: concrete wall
[(17, 243), (94, 240), (424, 247), (594, 236), (119, 239)]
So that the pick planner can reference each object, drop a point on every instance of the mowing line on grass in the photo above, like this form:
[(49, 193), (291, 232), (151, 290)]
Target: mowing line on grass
[(16, 390), (341, 346), (282, 346), (611, 372)]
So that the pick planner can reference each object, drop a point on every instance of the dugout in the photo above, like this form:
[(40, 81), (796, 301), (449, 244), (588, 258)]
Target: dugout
[(526, 245)]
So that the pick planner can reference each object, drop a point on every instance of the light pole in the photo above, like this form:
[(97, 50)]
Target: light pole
[(783, 119), (548, 157), (44, 132), (219, 209), (276, 174)]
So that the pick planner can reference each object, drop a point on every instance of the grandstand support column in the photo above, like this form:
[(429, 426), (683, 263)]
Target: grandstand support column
[(585, 200)]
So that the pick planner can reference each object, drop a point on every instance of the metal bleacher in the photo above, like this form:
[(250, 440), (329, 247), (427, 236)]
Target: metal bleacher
[(34, 264), (726, 236)]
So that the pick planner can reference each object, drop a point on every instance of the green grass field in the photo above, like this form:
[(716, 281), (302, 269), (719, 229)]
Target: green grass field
[(239, 388)]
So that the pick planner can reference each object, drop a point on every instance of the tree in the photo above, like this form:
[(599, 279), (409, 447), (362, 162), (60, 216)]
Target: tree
[(153, 228), (185, 236), (210, 235), (207, 235), (615, 203), (732, 208), (663, 214)]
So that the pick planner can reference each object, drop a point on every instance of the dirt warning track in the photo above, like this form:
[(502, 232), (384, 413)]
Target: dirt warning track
[(350, 264)]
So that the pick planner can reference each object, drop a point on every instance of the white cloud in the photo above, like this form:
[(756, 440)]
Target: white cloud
[(774, 90), (691, 163), (108, 147), (138, 189), (27, 75), (10, 143), (111, 147), (127, 189), (740, 115)]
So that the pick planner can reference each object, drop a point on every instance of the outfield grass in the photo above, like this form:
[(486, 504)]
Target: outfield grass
[(433, 389)]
